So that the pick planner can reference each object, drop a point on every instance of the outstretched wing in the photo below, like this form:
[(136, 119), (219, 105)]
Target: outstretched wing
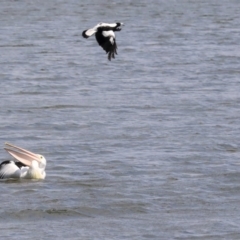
[(89, 32), (106, 39)]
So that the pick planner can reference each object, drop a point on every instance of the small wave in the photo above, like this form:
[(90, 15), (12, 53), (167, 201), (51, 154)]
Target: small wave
[(47, 214), (18, 45)]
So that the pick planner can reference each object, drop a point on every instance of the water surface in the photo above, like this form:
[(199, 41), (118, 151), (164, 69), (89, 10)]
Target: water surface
[(143, 147)]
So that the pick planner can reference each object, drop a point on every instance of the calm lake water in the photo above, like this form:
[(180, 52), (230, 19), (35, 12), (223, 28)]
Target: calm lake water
[(146, 146)]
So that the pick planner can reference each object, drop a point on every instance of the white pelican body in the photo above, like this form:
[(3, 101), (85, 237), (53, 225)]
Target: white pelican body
[(26, 164)]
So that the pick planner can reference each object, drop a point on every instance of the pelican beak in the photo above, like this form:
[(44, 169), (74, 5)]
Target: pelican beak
[(24, 156)]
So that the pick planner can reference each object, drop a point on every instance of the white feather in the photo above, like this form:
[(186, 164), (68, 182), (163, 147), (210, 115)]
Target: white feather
[(10, 170), (107, 25), (90, 32), (109, 34)]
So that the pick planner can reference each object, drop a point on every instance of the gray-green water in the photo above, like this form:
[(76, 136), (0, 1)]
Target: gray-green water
[(143, 147)]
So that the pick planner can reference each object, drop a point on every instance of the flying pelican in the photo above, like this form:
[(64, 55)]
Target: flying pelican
[(104, 33), (26, 164)]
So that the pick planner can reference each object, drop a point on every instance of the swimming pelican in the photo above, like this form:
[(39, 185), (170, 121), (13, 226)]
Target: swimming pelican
[(26, 164), (104, 33)]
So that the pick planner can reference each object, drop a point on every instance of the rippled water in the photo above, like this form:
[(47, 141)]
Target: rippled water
[(143, 147)]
